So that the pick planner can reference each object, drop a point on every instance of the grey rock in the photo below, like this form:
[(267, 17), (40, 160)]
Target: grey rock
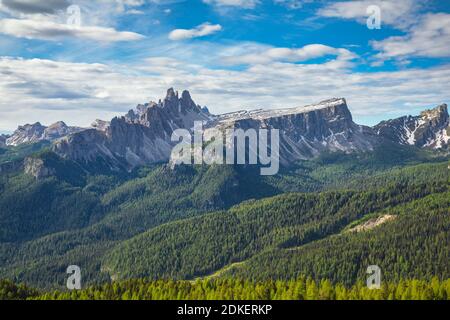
[(32, 133), (306, 132), (36, 167), (28, 133), (142, 136), (100, 125), (431, 129)]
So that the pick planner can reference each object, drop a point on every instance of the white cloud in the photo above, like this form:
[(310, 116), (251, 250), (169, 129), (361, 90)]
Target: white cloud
[(246, 4), (48, 91), (427, 35), (135, 12), (264, 55), (49, 30), (199, 31), (400, 14), (430, 38)]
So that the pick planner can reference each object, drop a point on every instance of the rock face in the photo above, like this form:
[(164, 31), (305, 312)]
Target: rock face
[(430, 129), (37, 168), (27, 133), (306, 132), (142, 136), (31, 133), (100, 125)]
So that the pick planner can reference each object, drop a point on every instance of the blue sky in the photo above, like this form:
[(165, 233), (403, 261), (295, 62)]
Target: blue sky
[(231, 55)]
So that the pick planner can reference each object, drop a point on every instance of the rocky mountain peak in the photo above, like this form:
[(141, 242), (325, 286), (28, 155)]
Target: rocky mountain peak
[(32, 133), (171, 94), (143, 135), (34, 126), (58, 124), (306, 131), (27, 133), (186, 96), (438, 115), (430, 129), (206, 110)]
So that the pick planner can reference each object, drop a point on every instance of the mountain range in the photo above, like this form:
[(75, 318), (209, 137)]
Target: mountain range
[(143, 136), (31, 133), (106, 199)]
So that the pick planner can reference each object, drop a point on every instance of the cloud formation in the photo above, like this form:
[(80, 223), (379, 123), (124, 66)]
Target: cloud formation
[(200, 31), (78, 93), (49, 30), (305, 53), (264, 70), (399, 14), (430, 38)]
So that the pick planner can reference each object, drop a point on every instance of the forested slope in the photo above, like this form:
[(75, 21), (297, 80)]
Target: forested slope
[(202, 245), (86, 218), (414, 245)]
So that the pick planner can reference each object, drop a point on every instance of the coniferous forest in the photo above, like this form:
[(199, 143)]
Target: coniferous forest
[(225, 232), (302, 288)]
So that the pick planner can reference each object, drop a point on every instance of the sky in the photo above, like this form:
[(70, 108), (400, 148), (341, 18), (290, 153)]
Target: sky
[(81, 60)]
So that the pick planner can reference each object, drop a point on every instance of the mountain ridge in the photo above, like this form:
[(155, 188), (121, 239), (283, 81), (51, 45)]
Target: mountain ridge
[(31, 133), (143, 135), (429, 129)]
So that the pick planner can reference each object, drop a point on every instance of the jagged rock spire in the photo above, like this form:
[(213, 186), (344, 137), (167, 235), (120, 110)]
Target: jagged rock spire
[(171, 94)]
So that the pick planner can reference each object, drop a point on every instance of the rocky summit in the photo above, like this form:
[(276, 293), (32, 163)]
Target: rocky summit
[(142, 136), (430, 129), (31, 133), (306, 132)]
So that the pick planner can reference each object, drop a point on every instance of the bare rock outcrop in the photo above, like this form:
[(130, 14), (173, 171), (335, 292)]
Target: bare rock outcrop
[(37, 168)]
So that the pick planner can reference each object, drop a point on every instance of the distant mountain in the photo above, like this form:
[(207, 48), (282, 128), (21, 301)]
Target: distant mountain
[(306, 132), (32, 133), (143, 135), (430, 129)]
